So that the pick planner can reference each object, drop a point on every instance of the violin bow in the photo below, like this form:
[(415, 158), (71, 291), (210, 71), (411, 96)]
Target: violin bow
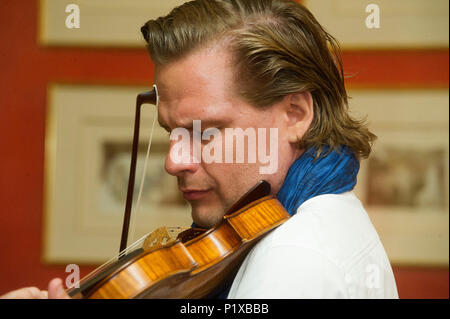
[(150, 97)]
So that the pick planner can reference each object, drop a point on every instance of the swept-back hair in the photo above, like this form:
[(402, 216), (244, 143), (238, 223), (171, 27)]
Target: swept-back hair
[(278, 48)]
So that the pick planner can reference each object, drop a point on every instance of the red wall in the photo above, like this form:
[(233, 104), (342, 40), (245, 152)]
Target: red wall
[(25, 71)]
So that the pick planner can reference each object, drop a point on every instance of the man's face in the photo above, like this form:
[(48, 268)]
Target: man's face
[(199, 87)]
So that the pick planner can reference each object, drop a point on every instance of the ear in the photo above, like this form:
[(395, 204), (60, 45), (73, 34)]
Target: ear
[(300, 115)]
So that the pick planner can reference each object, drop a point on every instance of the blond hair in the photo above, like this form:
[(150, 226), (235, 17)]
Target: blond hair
[(279, 48)]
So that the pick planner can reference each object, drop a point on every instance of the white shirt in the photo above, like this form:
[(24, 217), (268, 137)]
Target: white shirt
[(329, 249)]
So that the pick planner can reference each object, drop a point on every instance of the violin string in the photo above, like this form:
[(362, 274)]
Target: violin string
[(133, 227), (122, 253), (115, 258), (109, 262), (141, 187)]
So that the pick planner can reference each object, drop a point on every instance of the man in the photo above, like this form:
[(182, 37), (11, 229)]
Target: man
[(262, 65)]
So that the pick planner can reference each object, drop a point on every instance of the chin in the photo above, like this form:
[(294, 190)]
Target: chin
[(206, 218)]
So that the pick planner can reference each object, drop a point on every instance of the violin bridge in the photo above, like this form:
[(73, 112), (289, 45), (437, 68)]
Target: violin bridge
[(161, 237)]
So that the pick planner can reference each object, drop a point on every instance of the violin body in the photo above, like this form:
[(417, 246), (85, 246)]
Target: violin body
[(197, 267)]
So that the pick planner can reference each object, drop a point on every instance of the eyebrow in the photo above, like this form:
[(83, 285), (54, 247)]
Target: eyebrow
[(206, 123)]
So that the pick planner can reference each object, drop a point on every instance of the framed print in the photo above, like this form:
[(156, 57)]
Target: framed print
[(404, 184), (88, 155), (102, 23), (402, 24)]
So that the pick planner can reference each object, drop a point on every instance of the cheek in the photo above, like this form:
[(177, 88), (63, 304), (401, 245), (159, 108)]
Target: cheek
[(238, 179), (231, 181)]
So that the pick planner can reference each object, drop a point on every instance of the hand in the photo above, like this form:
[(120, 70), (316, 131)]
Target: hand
[(55, 291), (26, 293)]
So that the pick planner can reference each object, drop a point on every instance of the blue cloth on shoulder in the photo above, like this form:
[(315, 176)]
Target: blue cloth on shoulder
[(332, 172)]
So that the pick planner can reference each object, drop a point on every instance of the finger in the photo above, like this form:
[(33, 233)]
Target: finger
[(36, 293), (56, 289), (25, 293)]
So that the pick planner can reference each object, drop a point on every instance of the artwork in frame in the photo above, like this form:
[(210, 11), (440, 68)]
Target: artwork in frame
[(102, 23), (404, 184), (401, 24), (88, 155), (407, 177)]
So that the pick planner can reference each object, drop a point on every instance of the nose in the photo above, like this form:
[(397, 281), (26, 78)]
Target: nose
[(180, 159)]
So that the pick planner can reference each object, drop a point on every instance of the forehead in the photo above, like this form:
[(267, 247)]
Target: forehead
[(197, 87)]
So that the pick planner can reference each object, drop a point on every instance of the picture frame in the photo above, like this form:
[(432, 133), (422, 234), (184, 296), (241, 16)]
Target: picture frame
[(88, 155), (403, 24), (89, 129), (102, 23), (404, 185)]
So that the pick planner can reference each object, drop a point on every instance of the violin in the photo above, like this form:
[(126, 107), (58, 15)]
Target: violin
[(194, 264)]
